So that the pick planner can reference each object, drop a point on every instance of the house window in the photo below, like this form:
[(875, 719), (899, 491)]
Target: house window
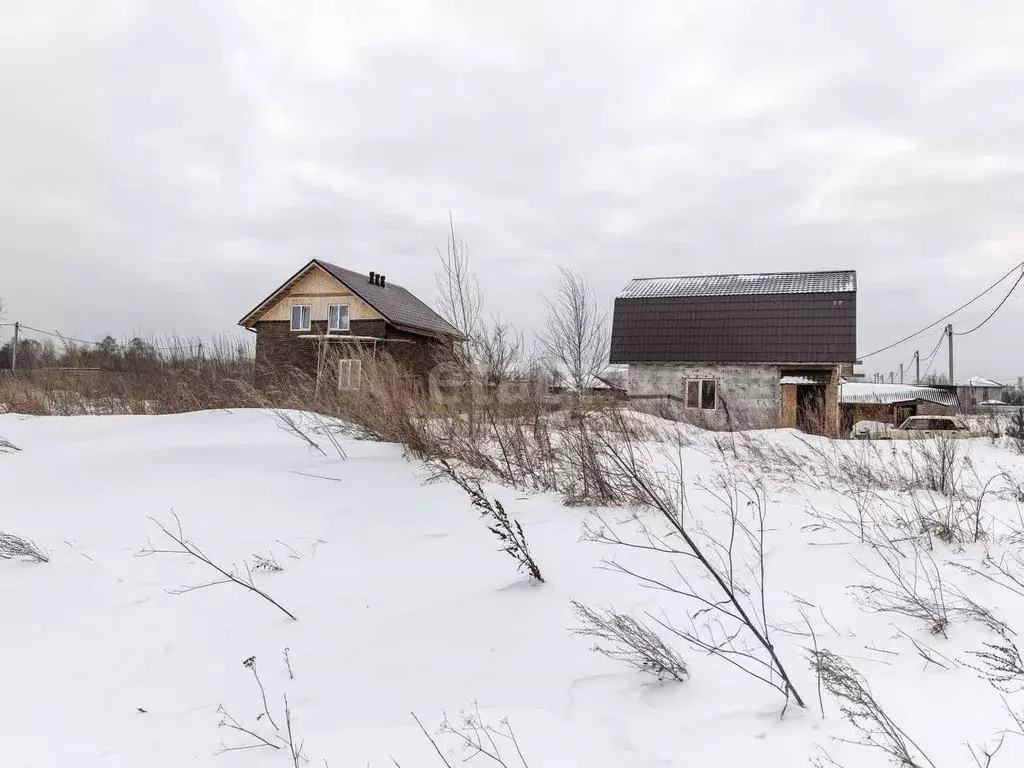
[(708, 388), (693, 394), (348, 373), (338, 317), (702, 394), (300, 317)]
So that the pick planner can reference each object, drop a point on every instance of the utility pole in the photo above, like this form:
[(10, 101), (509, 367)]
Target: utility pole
[(949, 333), (200, 351), (901, 373), (14, 348), (917, 371)]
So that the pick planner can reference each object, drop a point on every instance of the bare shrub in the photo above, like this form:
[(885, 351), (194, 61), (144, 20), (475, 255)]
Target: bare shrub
[(859, 706), (915, 590), (623, 638), (1015, 430), (735, 625), (942, 462), (6, 446), (1001, 664), (476, 738), (16, 548), (912, 586), (508, 531), (186, 546)]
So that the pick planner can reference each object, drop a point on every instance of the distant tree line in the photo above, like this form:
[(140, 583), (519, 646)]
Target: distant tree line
[(112, 355), (107, 354)]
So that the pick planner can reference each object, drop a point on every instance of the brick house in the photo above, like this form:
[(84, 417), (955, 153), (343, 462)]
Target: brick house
[(325, 319), (750, 350)]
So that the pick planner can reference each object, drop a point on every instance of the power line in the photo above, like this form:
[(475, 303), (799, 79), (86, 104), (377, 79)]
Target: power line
[(935, 351), (944, 317), (998, 306), (62, 337)]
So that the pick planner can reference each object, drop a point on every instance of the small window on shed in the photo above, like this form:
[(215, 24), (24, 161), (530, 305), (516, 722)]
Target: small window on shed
[(707, 394), (702, 394), (692, 394)]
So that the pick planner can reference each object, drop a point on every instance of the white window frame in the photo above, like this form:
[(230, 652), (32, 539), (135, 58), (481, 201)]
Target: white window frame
[(700, 394), (350, 370), (330, 313), (309, 317)]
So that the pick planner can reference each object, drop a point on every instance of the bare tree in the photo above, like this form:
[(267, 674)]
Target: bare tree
[(500, 351), (460, 300), (576, 329)]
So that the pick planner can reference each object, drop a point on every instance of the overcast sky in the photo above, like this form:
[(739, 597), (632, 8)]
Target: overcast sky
[(166, 163)]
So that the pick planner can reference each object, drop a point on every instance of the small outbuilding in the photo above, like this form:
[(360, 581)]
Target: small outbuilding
[(741, 350), (892, 403)]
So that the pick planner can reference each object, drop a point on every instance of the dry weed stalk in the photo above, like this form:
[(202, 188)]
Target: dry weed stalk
[(16, 548), (186, 546), (916, 590), (859, 706), (477, 739), (508, 530), (623, 638)]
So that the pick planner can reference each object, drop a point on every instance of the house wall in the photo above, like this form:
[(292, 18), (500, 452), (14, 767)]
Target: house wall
[(318, 289), (418, 354), (278, 346), (751, 391)]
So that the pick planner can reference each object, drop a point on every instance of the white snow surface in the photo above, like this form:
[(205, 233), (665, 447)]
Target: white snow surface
[(404, 604)]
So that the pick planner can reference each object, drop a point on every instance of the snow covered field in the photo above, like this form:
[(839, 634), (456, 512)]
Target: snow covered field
[(404, 604)]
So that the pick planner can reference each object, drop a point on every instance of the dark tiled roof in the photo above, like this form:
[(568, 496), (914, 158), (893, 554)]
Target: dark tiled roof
[(742, 285), (398, 305), (714, 322)]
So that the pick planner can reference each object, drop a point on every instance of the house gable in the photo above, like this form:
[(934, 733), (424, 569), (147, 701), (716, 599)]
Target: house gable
[(319, 281), (316, 287)]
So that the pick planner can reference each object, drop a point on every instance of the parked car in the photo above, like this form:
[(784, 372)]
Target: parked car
[(871, 430), (923, 427)]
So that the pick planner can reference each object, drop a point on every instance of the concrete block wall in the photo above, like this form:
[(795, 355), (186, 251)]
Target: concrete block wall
[(751, 390)]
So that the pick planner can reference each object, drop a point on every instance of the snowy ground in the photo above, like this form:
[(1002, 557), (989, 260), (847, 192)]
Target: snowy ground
[(404, 605)]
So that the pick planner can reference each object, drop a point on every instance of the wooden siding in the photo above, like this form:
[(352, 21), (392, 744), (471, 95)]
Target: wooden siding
[(318, 289)]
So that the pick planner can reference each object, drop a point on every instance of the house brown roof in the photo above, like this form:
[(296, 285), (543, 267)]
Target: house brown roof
[(396, 304), (794, 317)]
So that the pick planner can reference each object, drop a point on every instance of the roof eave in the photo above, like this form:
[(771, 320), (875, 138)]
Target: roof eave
[(246, 321)]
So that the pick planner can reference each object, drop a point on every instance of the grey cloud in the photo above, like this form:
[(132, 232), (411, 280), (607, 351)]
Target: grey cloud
[(174, 164)]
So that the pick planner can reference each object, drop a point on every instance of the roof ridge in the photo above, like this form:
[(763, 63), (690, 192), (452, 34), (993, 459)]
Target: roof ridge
[(361, 274), (757, 274)]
